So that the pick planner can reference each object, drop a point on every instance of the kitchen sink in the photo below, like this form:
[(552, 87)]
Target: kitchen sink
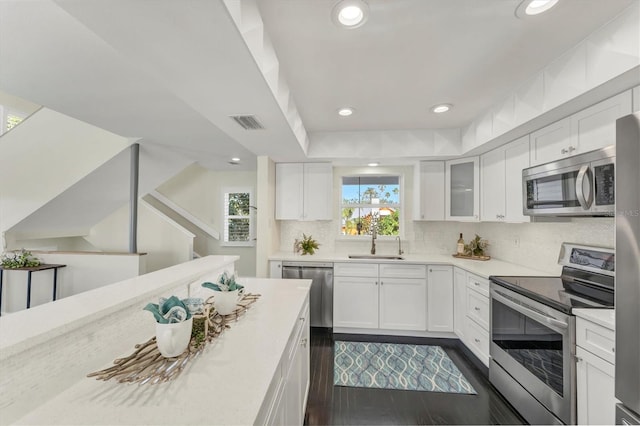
[(375, 256)]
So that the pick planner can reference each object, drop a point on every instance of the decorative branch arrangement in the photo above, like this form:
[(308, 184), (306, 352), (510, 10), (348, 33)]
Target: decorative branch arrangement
[(147, 365)]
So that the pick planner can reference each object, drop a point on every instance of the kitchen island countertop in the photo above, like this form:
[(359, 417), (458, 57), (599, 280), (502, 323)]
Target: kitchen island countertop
[(226, 384)]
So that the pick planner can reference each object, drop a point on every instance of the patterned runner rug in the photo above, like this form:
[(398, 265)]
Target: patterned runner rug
[(395, 366)]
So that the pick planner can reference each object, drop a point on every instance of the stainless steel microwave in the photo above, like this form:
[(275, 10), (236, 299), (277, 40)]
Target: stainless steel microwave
[(583, 185)]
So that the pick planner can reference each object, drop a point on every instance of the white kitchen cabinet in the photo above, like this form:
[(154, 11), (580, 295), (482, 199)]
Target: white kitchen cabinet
[(429, 198), (462, 198), (516, 159), (492, 166), (355, 302), (304, 191), (460, 301), (287, 395), (380, 296), (275, 269), (584, 131), (636, 99), (476, 330), (440, 298), (595, 127), (402, 304), (501, 171), (595, 373), (595, 379), (551, 142)]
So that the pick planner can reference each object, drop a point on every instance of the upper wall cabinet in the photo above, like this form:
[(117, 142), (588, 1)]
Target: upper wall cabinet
[(501, 177), (589, 129), (595, 127), (429, 182), (462, 198), (304, 191)]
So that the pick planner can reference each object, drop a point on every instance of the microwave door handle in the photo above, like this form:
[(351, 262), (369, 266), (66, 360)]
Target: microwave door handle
[(585, 172), (528, 312)]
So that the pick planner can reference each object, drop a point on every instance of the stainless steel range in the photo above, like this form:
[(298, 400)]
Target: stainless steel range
[(533, 332)]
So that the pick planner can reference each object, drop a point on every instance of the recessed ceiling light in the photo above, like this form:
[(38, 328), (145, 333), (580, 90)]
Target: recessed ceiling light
[(438, 109), (350, 13), (373, 164), (534, 7), (345, 112), (235, 159)]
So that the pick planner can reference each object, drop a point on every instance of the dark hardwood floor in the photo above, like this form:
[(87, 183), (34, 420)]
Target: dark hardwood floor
[(338, 405)]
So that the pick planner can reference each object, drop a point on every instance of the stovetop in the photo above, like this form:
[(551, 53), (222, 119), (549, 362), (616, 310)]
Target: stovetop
[(560, 293)]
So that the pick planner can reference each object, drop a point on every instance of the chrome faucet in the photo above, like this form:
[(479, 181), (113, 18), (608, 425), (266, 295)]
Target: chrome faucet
[(400, 251), (373, 238)]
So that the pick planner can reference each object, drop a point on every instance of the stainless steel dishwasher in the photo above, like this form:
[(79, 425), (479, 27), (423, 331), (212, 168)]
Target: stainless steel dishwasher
[(321, 296)]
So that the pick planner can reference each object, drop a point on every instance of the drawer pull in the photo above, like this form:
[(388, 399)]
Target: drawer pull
[(476, 308), (477, 340), (476, 283), (613, 350)]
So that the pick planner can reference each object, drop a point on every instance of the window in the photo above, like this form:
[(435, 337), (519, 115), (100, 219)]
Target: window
[(238, 218), (9, 119), (369, 201)]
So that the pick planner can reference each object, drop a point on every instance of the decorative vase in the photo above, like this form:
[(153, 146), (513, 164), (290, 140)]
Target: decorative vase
[(172, 339), (225, 301)]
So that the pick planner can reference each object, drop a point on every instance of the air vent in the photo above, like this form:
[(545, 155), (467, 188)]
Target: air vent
[(247, 122)]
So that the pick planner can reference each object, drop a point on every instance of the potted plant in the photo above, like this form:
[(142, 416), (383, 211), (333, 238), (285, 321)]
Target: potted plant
[(307, 245), (174, 323), (21, 259), (476, 247), (229, 291)]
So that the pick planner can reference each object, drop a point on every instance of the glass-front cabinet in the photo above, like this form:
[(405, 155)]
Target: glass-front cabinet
[(462, 197)]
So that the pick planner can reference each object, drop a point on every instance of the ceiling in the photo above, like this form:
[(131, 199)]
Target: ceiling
[(413, 54), (172, 72)]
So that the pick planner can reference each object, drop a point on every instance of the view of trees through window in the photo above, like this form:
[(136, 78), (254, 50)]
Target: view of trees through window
[(12, 121), (238, 217), (370, 199)]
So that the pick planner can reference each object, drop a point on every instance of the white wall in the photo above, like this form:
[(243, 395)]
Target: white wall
[(538, 248), (29, 184), (268, 229), (199, 191), (165, 242), (84, 271)]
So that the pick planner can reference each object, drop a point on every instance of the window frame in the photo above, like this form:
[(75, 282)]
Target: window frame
[(225, 218), (400, 206)]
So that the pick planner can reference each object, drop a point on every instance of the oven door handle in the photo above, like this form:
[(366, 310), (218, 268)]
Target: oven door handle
[(523, 309)]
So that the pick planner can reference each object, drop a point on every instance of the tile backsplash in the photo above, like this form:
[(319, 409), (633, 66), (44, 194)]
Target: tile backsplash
[(535, 245)]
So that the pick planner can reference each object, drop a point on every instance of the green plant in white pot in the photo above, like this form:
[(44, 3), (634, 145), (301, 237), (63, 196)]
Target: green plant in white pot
[(228, 291)]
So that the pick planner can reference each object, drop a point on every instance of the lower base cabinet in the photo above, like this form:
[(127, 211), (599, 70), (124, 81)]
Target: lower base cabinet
[(595, 379), (380, 296), (475, 332), (287, 397), (595, 373)]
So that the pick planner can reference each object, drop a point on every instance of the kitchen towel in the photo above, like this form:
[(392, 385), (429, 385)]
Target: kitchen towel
[(397, 366)]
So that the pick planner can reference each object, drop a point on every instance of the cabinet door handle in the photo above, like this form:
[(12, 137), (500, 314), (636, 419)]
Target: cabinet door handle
[(303, 342), (564, 151), (381, 282), (476, 308), (376, 282), (571, 149), (477, 340)]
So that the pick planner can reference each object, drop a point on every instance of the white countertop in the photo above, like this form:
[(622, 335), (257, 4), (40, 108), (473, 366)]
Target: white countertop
[(603, 317), (478, 267), (226, 384)]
